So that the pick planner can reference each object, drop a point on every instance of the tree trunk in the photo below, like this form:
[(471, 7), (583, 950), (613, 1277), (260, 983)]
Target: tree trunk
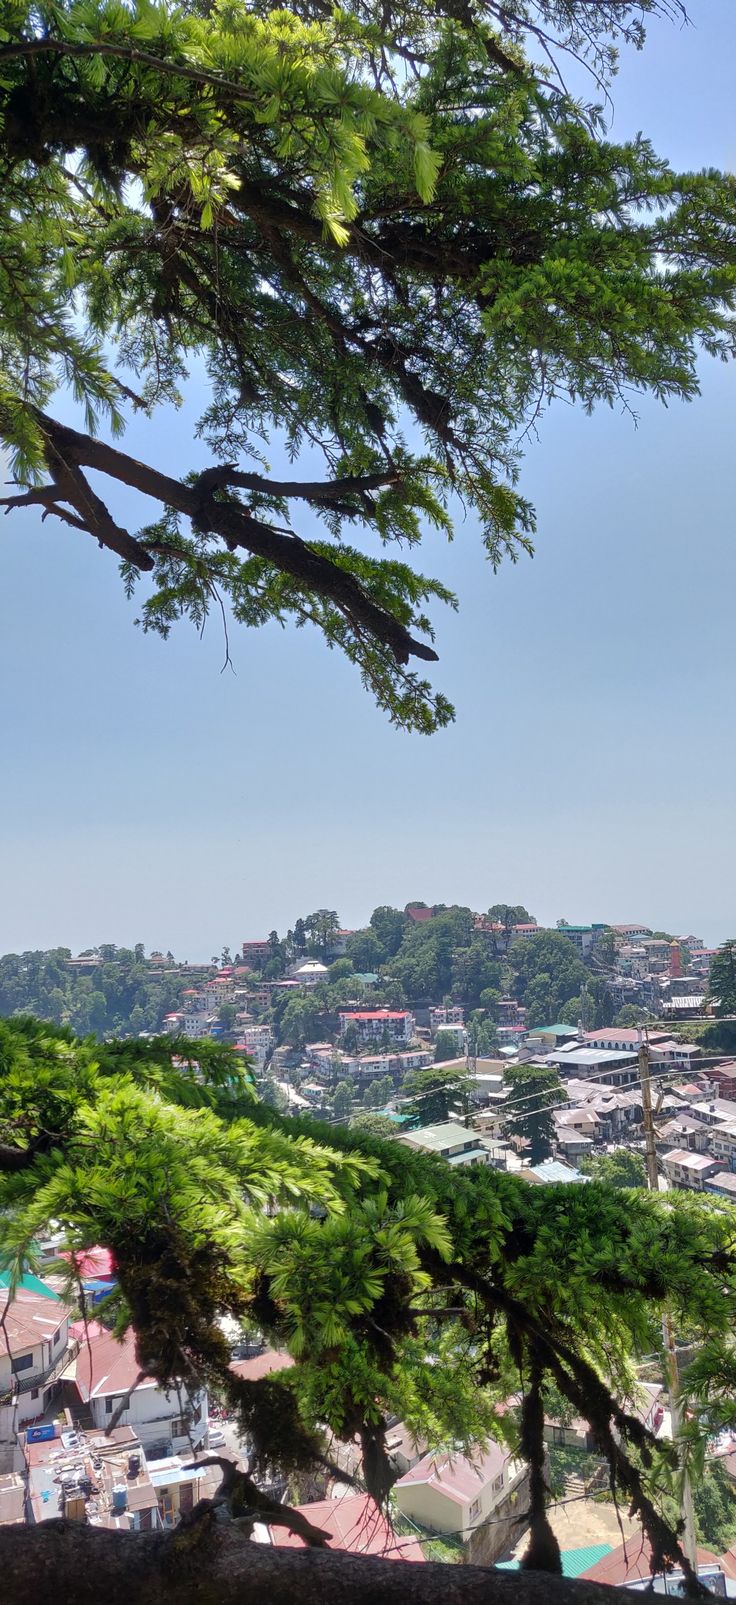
[(63, 1560)]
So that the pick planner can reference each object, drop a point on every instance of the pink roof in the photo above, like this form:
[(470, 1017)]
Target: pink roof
[(93, 1329), (374, 1014), (94, 1264), (419, 914), (455, 1475), (28, 1319), (261, 1365), (356, 1525)]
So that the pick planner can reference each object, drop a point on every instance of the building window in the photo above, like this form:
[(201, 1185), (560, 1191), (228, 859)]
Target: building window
[(34, 1393), (474, 1511), (109, 1406), (22, 1362)]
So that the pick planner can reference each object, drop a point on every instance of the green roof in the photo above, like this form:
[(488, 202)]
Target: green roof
[(30, 1284), (558, 1030), (574, 1561)]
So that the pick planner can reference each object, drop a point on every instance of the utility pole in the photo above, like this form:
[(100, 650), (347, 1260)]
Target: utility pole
[(689, 1536)]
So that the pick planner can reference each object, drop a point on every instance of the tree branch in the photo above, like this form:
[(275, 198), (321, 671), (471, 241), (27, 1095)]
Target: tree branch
[(215, 1566), (235, 525)]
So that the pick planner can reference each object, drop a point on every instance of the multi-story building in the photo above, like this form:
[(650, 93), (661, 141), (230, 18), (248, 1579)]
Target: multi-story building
[(584, 937), (684, 1169), (622, 1039), (255, 1040), (441, 1018), (617, 1069), (631, 932), (373, 1025), (256, 954), (34, 1351)]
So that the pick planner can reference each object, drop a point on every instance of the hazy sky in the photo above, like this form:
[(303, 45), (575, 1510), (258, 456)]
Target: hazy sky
[(591, 772)]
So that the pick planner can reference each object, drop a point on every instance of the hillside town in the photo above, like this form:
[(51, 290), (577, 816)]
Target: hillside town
[(427, 1028)]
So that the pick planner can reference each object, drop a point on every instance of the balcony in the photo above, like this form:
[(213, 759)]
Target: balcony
[(26, 1381)]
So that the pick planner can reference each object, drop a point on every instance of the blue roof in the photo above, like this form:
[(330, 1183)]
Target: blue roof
[(575, 1562), (553, 1170)]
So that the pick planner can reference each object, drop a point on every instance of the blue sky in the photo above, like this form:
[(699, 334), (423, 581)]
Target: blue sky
[(591, 772)]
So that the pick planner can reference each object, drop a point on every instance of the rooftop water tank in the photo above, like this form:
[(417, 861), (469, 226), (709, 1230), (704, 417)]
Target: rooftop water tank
[(119, 1498)]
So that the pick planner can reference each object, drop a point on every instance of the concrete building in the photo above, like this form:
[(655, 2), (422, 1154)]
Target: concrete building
[(685, 1169), (476, 1498), (617, 1069), (34, 1351), (723, 1183), (104, 1378), (372, 1025)]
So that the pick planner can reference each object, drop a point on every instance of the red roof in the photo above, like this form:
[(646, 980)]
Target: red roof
[(420, 914), (261, 1365), (356, 1525), (631, 1563), (28, 1319), (104, 1366)]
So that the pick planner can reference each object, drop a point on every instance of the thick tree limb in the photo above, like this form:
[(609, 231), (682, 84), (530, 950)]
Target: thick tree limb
[(232, 522), (63, 1560)]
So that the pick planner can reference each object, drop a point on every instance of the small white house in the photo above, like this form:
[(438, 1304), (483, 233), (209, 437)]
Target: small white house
[(106, 1377)]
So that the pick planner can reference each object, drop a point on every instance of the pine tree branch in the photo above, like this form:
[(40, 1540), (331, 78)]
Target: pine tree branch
[(68, 451)]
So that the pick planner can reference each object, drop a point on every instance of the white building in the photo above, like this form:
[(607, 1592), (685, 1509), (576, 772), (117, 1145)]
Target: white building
[(372, 1025), (255, 1040), (34, 1350), (105, 1375), (441, 1018)]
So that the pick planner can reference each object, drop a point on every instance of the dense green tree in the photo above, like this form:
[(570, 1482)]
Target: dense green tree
[(474, 970), (389, 925), (321, 929), (157, 1151), (722, 981), (547, 972), (226, 1015), (344, 223), (341, 970), (433, 1095), (534, 1091), (425, 961), (447, 1045), (302, 1020), (622, 1168), (366, 951), (631, 1014), (482, 1035), (371, 1124), (342, 1100), (123, 996)]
